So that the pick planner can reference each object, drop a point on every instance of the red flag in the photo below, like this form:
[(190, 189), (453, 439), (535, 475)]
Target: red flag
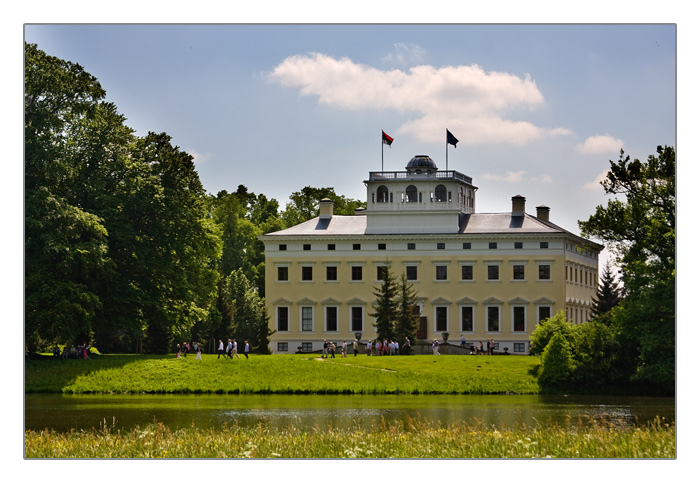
[(386, 139)]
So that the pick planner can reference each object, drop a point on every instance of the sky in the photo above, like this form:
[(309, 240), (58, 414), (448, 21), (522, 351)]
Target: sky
[(539, 110)]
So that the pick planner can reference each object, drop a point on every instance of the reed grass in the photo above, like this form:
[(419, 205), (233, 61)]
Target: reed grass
[(410, 439)]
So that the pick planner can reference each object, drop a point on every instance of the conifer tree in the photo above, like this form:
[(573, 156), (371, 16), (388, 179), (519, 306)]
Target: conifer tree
[(406, 319), (608, 295), (385, 313)]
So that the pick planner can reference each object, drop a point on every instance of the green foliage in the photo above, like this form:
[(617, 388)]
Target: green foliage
[(406, 318), (386, 308), (608, 295), (557, 362), (117, 242), (547, 328), (641, 232), (304, 204)]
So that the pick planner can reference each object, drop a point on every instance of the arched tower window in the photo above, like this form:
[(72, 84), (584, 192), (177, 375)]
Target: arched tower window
[(440, 193), (412, 194), (382, 194)]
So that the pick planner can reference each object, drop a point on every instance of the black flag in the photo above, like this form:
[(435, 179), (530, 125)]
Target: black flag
[(451, 139)]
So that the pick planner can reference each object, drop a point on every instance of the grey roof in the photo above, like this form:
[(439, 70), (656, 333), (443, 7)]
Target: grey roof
[(476, 224)]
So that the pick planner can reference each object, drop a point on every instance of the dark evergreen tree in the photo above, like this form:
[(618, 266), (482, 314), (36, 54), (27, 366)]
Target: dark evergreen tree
[(385, 311), (406, 318), (608, 295)]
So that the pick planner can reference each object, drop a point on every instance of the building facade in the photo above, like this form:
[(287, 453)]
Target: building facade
[(477, 275)]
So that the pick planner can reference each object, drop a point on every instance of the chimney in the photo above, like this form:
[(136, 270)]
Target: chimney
[(518, 205), (543, 213), (325, 209), (360, 211)]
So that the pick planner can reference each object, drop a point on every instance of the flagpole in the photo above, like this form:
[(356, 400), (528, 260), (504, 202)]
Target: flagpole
[(446, 151), (382, 151)]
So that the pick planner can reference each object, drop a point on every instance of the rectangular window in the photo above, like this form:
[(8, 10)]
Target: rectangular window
[(493, 245), (411, 272), (283, 248), (440, 246), (332, 273), (307, 273), (380, 272), (544, 272), (518, 245), (467, 272), (307, 319), (282, 274), (467, 246), (307, 246), (411, 246), (282, 347), (544, 312), (493, 319), (519, 347), (518, 319), (493, 272), (381, 246), (518, 272), (441, 272), (356, 273), (441, 319), (544, 244), (355, 246), (307, 346), (467, 319), (331, 319), (283, 319), (356, 319), (331, 246)]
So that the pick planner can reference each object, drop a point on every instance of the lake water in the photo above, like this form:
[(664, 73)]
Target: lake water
[(63, 412)]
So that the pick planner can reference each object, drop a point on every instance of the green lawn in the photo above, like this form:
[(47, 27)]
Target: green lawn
[(285, 374)]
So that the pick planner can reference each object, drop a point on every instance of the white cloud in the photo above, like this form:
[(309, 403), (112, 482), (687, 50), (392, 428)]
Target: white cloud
[(595, 184), (600, 144), (405, 54), (471, 102), (517, 177), (198, 158)]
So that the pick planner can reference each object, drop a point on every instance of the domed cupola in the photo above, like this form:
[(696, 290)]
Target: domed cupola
[(421, 164)]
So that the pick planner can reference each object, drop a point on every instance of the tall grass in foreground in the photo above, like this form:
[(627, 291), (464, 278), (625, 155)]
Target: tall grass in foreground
[(413, 439)]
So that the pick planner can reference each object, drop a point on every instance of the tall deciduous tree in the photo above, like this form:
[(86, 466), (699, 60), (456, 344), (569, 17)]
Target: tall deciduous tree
[(640, 229), (303, 204)]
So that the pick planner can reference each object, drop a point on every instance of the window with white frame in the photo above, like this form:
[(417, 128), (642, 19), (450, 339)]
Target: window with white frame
[(307, 273), (544, 270), (441, 272), (282, 273), (331, 318), (492, 272), (518, 271), (518, 315), (307, 319), (282, 319), (441, 318), (544, 312), (282, 346), (357, 318), (411, 272), (467, 318), (493, 318)]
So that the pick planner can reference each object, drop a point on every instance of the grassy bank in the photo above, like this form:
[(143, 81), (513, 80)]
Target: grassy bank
[(412, 440), (284, 374)]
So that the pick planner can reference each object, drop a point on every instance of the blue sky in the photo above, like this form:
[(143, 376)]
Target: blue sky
[(538, 109)]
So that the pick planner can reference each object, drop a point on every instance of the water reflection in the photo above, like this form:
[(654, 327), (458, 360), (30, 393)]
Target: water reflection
[(63, 413)]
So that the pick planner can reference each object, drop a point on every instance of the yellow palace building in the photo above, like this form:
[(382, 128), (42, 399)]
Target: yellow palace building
[(477, 275)]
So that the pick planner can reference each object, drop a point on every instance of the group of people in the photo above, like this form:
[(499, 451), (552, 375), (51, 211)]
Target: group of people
[(231, 349), (81, 351), (482, 349), (186, 348), (386, 347), (329, 348)]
